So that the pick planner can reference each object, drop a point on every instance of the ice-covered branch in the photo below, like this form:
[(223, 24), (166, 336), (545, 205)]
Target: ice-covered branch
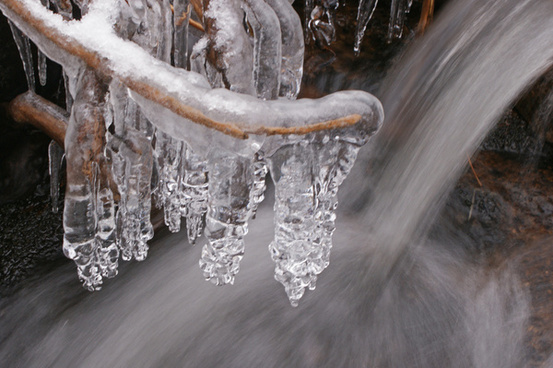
[(139, 118), (48, 117), (92, 41)]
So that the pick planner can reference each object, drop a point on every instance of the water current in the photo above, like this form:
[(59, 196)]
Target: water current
[(390, 298)]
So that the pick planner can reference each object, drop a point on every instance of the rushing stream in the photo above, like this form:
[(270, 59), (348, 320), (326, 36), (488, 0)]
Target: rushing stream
[(390, 298)]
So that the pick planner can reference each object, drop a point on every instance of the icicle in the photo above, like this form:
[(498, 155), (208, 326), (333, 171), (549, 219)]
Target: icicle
[(259, 172), (309, 6), (408, 6), (168, 154), (108, 253), (292, 48), (226, 221), (84, 144), (132, 171), (42, 59), (307, 176), (267, 48), (42, 68), (334, 161), (132, 162), (364, 15), (397, 19), (295, 202), (55, 157), (164, 32), (180, 36), (193, 192), (68, 97), (229, 43), (24, 47)]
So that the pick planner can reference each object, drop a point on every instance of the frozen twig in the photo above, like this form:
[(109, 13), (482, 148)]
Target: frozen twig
[(41, 113), (185, 95)]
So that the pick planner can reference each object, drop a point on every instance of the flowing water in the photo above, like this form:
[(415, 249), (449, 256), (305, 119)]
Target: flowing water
[(390, 298)]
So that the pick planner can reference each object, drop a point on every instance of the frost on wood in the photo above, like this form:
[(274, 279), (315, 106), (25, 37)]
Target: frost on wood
[(142, 126)]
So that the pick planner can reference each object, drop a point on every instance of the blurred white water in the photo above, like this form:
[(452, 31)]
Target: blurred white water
[(390, 298)]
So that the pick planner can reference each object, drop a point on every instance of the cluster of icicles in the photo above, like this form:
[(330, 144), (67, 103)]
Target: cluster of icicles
[(320, 19), (114, 171)]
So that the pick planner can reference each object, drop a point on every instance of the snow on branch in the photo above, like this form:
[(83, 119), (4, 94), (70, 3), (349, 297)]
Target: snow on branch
[(92, 41)]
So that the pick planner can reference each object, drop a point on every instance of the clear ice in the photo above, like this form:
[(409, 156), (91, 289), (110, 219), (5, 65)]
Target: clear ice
[(231, 180), (132, 161), (307, 175), (122, 149), (193, 192), (24, 48), (88, 213), (364, 14), (398, 11), (55, 156)]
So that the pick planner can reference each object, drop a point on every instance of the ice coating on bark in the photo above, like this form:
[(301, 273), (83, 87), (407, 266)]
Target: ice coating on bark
[(181, 19), (226, 220), (24, 48), (55, 156), (364, 15), (193, 192), (292, 48), (88, 211), (267, 50), (228, 47)]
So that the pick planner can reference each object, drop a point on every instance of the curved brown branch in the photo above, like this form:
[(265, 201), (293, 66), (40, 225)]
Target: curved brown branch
[(146, 87), (301, 130), (32, 109)]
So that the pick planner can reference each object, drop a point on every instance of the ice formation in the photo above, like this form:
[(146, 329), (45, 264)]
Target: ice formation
[(320, 25), (143, 126), (55, 156)]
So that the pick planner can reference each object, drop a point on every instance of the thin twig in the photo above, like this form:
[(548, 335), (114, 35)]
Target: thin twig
[(427, 13), (474, 172), (326, 125), (196, 25)]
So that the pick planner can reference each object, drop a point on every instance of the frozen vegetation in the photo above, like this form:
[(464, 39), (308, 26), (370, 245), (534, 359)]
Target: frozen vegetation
[(226, 117)]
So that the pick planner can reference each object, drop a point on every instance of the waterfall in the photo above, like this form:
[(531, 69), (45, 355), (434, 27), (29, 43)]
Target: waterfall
[(390, 297)]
